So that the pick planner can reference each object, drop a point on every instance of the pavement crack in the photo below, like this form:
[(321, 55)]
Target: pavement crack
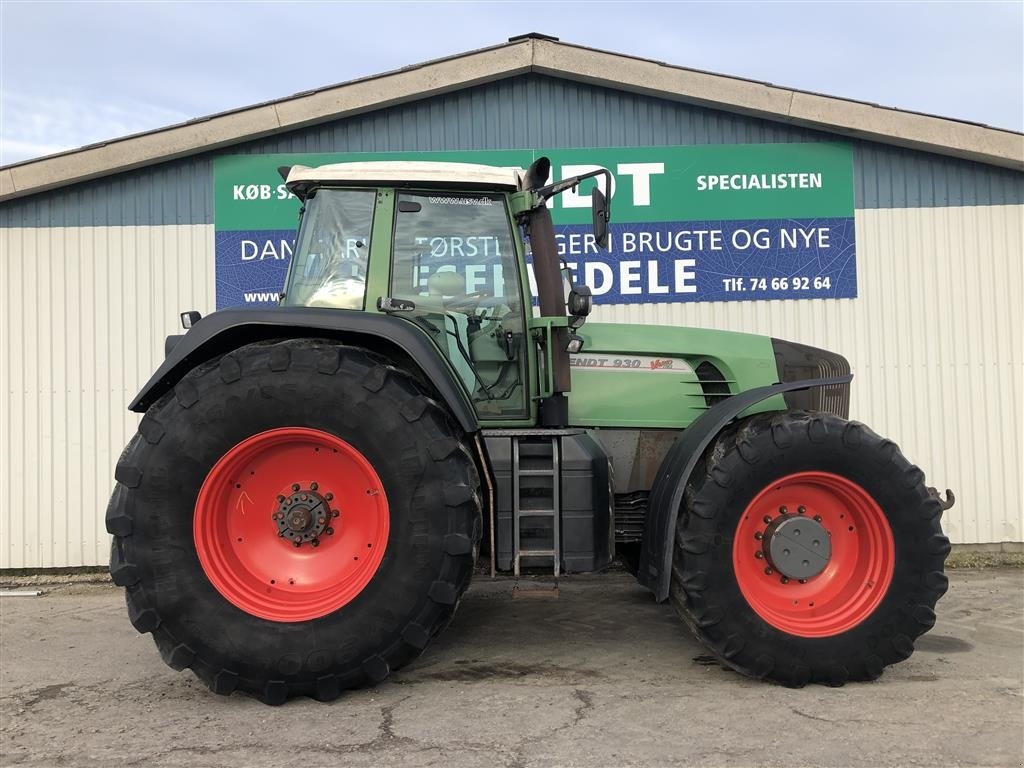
[(386, 736), (387, 722), (796, 711), (866, 721), (586, 703)]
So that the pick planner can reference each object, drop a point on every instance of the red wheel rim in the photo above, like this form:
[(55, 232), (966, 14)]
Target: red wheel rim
[(251, 498), (857, 574)]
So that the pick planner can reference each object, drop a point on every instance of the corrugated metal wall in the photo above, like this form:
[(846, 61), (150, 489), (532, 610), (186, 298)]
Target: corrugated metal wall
[(935, 339), (84, 314), (93, 278)]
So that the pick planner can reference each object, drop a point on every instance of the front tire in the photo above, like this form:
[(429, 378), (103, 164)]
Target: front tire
[(842, 603), (294, 518)]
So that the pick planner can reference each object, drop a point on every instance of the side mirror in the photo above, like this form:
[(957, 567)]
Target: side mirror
[(599, 208), (190, 318)]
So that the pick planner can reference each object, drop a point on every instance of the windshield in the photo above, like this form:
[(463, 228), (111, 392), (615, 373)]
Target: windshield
[(329, 265)]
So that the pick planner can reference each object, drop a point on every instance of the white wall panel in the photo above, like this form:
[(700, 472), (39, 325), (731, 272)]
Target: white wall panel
[(935, 341), (84, 314), (935, 338)]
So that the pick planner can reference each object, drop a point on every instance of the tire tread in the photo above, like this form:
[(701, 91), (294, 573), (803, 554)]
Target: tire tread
[(704, 543), (453, 479)]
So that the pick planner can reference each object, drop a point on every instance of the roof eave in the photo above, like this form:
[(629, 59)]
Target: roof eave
[(344, 100), (857, 119), (928, 133)]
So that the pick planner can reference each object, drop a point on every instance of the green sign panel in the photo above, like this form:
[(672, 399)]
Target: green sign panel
[(693, 223)]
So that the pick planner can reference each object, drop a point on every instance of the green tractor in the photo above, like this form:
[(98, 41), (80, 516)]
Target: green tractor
[(311, 485)]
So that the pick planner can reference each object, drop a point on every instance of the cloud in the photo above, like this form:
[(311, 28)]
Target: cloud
[(14, 151), (33, 126), (112, 69)]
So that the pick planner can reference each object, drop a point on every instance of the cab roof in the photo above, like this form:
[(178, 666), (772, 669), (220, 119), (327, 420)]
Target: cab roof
[(407, 172)]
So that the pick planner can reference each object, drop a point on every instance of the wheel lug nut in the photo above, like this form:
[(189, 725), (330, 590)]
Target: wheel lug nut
[(784, 580), (758, 535), (295, 486), (320, 521), (296, 543), (769, 571), (280, 499), (329, 531), (817, 518), (313, 486), (783, 511), (759, 554), (335, 513), (767, 518), (315, 542), (803, 581), (801, 510), (329, 496)]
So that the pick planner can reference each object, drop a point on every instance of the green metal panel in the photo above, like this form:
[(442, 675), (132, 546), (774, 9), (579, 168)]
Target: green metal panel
[(619, 393), (521, 112)]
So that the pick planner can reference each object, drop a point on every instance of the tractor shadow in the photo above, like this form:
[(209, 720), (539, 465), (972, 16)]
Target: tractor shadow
[(594, 624)]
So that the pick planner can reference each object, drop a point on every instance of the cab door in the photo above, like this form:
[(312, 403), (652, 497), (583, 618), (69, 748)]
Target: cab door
[(454, 256)]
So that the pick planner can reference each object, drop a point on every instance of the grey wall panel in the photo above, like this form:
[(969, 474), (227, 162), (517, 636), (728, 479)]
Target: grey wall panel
[(520, 112), (175, 192)]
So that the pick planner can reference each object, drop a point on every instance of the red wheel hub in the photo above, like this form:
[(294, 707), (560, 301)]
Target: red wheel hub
[(852, 576), (291, 524)]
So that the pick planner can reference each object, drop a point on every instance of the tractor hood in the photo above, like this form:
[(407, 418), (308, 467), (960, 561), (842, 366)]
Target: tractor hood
[(652, 376)]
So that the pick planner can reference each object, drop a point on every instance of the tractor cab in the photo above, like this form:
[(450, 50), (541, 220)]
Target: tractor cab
[(442, 245)]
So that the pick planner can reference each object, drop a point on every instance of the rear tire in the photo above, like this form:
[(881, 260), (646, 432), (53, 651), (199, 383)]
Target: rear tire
[(175, 513), (878, 590)]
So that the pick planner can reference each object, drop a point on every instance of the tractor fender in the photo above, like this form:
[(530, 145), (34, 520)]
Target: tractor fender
[(674, 473), (229, 329)]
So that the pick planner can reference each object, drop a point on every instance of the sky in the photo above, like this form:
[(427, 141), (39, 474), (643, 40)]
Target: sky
[(74, 73)]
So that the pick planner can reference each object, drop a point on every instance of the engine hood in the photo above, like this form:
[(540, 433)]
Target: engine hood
[(654, 376)]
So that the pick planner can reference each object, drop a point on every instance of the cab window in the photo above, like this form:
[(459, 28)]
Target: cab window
[(455, 259), (329, 265)]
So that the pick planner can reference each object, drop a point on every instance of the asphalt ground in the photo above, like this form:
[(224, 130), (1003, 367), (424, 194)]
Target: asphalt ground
[(600, 676)]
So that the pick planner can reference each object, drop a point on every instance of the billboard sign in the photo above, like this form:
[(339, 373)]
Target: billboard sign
[(696, 223)]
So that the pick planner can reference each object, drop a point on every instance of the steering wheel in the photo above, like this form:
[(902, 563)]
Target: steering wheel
[(468, 303)]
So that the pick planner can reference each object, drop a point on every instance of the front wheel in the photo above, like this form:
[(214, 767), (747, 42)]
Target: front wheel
[(809, 550)]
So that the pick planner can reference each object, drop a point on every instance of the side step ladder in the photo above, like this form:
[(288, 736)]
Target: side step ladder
[(536, 502)]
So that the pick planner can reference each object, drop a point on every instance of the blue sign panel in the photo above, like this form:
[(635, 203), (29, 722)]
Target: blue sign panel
[(689, 224)]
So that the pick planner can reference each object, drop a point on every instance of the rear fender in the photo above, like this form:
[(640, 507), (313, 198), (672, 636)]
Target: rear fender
[(229, 329), (667, 494)]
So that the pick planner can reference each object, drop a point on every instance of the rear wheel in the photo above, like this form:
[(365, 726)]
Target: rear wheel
[(809, 550), (295, 518)]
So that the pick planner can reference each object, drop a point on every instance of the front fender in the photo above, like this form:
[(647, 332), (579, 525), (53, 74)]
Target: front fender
[(229, 329), (674, 473)]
